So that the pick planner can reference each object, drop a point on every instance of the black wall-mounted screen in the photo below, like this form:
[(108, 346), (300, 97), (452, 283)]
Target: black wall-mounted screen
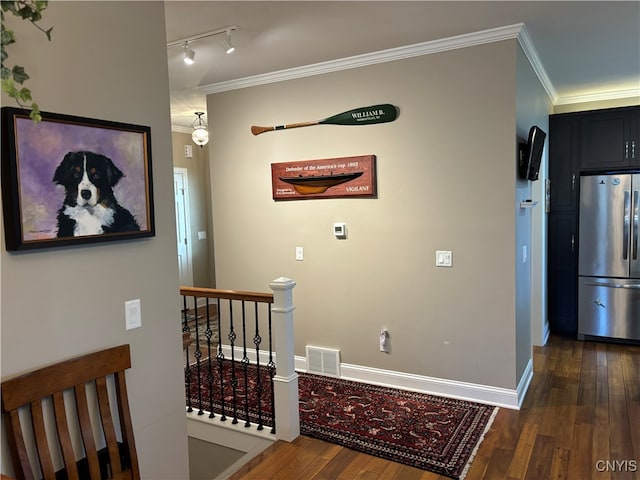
[(531, 154)]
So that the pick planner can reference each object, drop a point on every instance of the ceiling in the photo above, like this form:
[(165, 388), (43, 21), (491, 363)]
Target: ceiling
[(588, 50)]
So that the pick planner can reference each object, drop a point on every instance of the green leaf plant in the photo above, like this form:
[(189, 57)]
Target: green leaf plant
[(13, 77)]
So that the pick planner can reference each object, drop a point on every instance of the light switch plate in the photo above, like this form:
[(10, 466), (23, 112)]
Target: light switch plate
[(299, 254), (133, 314), (444, 258)]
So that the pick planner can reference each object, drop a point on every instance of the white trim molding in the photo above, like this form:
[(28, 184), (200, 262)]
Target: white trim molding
[(602, 96), (517, 31), (501, 397), (525, 381), (389, 55), (181, 129), (532, 55)]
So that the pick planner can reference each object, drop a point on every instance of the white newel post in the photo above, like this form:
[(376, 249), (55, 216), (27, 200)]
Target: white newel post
[(285, 382)]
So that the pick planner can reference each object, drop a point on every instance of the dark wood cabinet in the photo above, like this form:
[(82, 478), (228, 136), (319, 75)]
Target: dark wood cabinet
[(562, 273), (610, 139), (563, 162), (583, 142), (562, 224)]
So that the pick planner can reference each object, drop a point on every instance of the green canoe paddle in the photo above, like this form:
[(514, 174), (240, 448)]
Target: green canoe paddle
[(382, 113)]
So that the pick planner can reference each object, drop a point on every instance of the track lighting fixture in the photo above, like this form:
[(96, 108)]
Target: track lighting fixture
[(189, 54), (228, 46), (200, 135)]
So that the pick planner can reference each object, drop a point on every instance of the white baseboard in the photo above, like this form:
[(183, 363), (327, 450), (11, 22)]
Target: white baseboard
[(545, 333), (501, 397), (525, 381)]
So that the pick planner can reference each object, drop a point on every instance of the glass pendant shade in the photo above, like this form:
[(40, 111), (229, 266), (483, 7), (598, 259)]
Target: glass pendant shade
[(200, 135)]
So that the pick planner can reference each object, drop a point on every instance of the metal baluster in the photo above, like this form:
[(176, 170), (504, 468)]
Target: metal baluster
[(187, 373), (245, 366), (209, 334), (234, 380), (257, 340), (220, 359), (198, 355)]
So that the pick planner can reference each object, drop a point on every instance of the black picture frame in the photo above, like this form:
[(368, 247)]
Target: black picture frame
[(42, 165)]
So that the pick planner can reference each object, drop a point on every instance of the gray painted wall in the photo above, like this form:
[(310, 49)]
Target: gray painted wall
[(446, 181), (533, 107), (108, 61), (199, 205)]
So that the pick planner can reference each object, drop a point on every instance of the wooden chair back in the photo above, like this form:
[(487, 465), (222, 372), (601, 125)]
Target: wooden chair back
[(28, 393)]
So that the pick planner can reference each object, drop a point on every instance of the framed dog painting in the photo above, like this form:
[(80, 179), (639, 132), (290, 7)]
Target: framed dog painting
[(71, 180)]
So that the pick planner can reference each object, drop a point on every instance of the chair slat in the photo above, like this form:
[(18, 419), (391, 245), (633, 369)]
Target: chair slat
[(18, 450), (64, 437), (87, 432), (26, 392), (125, 423), (107, 425), (44, 454)]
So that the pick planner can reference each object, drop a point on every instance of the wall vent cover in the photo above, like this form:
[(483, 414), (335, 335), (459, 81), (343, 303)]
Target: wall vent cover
[(323, 361)]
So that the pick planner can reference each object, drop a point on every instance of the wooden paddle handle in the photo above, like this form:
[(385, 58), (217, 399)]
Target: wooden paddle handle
[(258, 130)]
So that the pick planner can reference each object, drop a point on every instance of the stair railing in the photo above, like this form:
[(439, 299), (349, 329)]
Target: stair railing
[(232, 341)]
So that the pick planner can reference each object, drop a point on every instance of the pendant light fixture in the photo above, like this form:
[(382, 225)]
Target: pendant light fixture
[(200, 135)]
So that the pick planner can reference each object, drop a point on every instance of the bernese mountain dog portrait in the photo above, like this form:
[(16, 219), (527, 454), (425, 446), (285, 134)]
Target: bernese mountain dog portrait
[(90, 207)]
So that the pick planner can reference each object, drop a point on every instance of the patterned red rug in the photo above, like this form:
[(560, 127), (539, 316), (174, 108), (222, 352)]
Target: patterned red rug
[(432, 433), (437, 434)]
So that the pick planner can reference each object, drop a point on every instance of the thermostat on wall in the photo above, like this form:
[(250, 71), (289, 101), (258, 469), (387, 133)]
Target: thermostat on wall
[(340, 230)]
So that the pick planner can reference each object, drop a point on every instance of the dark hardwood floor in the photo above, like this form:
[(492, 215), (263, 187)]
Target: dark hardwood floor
[(580, 420)]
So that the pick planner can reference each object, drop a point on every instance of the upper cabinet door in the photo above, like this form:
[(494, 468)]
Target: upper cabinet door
[(563, 160), (609, 139), (603, 139)]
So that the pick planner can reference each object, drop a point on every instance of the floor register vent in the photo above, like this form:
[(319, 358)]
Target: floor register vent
[(323, 361)]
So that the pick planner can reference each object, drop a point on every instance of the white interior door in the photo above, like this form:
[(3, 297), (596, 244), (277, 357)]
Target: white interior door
[(183, 229)]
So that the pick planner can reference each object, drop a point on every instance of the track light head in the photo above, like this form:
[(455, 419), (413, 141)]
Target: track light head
[(228, 46), (189, 55)]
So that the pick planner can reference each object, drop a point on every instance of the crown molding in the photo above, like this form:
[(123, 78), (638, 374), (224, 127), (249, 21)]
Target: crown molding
[(181, 129), (516, 31), (597, 97), (389, 55), (532, 55)]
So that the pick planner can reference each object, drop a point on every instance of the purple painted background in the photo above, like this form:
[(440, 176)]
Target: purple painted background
[(42, 146)]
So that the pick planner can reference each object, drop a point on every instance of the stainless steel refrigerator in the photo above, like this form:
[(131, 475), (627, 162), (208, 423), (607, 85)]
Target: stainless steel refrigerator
[(609, 257)]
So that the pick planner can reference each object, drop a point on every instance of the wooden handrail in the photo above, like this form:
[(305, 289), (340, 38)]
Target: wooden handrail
[(226, 294)]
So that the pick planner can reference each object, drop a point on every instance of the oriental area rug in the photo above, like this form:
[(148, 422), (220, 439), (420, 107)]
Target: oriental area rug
[(432, 433)]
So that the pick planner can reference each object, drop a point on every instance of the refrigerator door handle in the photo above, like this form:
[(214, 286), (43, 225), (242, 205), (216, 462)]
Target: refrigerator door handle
[(613, 285), (636, 213), (625, 235)]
